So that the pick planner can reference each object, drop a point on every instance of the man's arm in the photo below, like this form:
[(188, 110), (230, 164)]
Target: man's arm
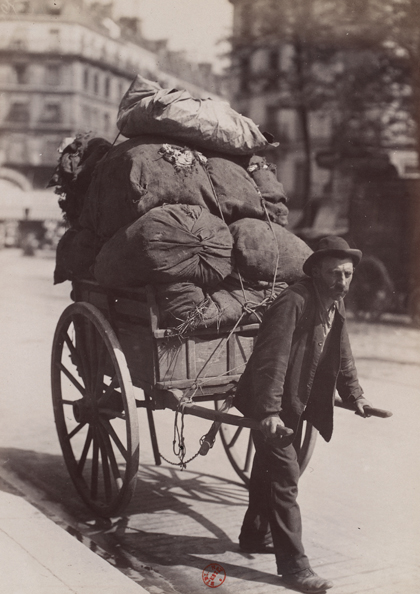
[(348, 385), (271, 354)]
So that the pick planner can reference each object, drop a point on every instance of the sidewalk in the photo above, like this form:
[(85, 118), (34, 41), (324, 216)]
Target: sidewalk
[(39, 557)]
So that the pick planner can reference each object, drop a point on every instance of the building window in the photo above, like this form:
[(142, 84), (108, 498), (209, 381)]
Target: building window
[(86, 79), (94, 117), (96, 83), (54, 36), (107, 87), (17, 44), (21, 7), (19, 112), (54, 6), (107, 123), (17, 150), (21, 74), (86, 116), (50, 151), (51, 112), (52, 74)]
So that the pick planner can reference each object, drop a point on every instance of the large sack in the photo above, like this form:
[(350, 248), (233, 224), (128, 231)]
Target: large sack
[(257, 245), (235, 193), (75, 255), (173, 243), (140, 174), (146, 108)]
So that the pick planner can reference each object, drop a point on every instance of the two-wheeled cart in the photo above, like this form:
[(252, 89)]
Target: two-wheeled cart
[(110, 357)]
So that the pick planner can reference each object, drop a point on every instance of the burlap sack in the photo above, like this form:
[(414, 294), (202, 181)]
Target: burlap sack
[(260, 249), (173, 243), (236, 195), (141, 174)]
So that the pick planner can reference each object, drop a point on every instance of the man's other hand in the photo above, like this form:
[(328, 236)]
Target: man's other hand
[(269, 426), (359, 405)]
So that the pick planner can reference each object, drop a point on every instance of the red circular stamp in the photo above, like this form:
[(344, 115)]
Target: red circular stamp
[(214, 575)]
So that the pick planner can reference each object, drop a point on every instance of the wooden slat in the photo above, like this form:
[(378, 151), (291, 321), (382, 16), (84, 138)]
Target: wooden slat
[(231, 354), (191, 359)]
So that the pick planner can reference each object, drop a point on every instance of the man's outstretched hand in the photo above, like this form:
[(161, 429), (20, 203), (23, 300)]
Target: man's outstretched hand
[(359, 405)]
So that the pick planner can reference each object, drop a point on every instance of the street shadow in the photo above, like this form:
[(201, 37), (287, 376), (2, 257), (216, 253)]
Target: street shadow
[(131, 540)]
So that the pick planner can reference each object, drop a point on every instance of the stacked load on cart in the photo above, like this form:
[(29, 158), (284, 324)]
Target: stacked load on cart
[(187, 204)]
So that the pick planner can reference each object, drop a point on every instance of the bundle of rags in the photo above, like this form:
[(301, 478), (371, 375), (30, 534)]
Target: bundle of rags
[(74, 172)]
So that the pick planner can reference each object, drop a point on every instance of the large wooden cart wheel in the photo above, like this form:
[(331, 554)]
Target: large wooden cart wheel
[(95, 410), (239, 447)]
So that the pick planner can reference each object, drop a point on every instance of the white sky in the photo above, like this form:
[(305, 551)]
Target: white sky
[(195, 26)]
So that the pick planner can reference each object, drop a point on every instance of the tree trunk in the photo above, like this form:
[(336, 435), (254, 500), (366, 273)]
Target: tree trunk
[(303, 118)]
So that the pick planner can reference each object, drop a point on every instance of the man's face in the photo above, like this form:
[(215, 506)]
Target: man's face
[(333, 277)]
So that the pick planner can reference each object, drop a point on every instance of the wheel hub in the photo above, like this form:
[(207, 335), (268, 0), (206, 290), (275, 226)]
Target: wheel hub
[(83, 411)]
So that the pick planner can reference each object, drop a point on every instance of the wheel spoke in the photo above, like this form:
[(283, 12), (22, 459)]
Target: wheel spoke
[(81, 463), (95, 469), (248, 454), (111, 431), (105, 466), (91, 335), (235, 437), (81, 346), (75, 356), (75, 430), (100, 368), (71, 378), (112, 459)]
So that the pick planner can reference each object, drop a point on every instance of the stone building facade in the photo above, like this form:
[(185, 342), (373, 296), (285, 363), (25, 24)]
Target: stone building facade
[(64, 67)]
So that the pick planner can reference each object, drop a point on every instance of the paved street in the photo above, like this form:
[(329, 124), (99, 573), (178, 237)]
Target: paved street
[(359, 496)]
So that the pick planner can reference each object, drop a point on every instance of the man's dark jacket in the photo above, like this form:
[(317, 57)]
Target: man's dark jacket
[(284, 374)]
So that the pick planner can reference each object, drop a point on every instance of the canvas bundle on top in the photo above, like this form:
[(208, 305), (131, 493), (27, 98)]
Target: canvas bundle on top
[(146, 108)]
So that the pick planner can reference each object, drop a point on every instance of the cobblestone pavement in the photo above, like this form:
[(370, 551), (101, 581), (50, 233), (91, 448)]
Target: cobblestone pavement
[(359, 496)]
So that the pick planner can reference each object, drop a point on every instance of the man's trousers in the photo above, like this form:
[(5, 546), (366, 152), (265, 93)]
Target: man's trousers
[(272, 504)]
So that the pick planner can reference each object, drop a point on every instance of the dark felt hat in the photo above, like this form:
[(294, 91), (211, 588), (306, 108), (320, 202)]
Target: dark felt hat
[(334, 246)]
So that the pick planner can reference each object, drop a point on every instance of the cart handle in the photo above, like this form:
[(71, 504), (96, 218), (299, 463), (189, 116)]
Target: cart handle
[(370, 410)]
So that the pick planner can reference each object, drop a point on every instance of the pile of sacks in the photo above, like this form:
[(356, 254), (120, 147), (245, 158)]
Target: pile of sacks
[(186, 204)]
